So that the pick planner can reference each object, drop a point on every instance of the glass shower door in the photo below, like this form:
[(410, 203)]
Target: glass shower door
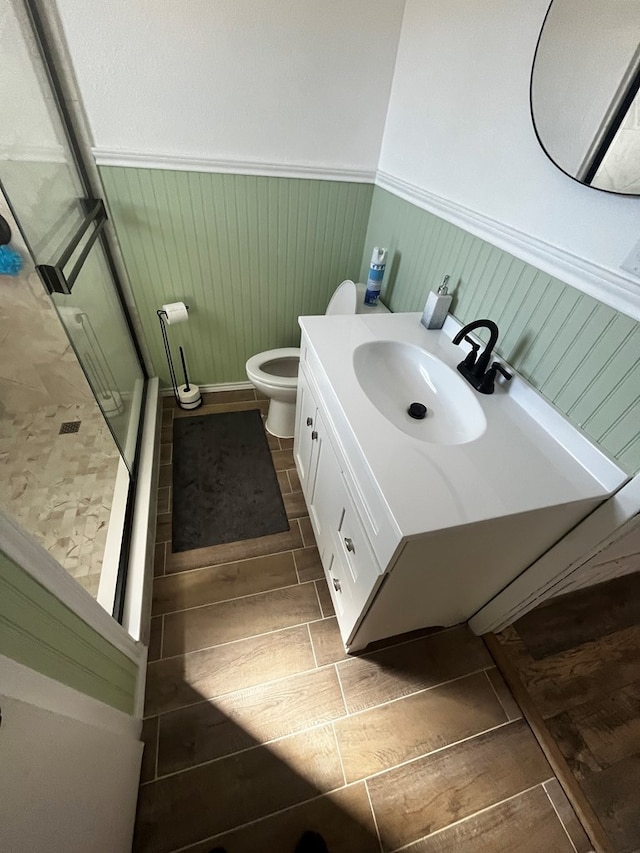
[(68, 433)]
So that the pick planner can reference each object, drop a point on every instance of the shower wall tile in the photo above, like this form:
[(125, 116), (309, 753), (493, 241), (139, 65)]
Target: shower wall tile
[(581, 355), (38, 366), (247, 254)]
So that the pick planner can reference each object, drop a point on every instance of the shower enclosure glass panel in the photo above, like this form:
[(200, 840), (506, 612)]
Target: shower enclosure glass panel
[(98, 332), (66, 454)]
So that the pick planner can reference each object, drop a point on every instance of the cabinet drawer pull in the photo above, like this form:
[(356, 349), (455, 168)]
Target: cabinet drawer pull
[(314, 435), (348, 544), (309, 421), (336, 584)]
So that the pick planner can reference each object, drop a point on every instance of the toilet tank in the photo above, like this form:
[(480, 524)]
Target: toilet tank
[(348, 298)]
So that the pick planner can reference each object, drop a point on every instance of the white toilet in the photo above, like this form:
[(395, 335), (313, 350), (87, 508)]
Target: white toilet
[(275, 372)]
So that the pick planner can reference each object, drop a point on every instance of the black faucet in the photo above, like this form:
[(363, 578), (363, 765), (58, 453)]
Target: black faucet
[(477, 371)]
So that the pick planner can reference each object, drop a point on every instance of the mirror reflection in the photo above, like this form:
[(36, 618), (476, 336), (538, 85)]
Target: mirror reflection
[(584, 91)]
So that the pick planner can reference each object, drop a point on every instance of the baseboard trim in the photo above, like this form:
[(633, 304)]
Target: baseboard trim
[(26, 685), (220, 386), (602, 283), (185, 163), (554, 756)]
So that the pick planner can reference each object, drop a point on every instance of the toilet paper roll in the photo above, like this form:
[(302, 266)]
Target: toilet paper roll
[(176, 312)]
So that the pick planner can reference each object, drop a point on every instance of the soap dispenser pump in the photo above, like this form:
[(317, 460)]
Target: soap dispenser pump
[(437, 306)]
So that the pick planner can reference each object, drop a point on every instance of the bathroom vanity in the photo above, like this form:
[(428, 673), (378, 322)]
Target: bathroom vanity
[(421, 522)]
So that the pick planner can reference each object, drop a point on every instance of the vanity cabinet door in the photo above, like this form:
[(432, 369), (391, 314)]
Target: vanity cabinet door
[(326, 500), (304, 444), (350, 567)]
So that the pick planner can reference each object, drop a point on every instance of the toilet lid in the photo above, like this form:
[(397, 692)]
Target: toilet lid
[(274, 366), (344, 299), (348, 298)]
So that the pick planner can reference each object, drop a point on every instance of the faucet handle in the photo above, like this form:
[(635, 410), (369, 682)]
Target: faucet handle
[(470, 358), (496, 366), (487, 382)]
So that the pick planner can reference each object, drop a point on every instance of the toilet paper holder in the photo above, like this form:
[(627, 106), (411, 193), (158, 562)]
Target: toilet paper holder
[(187, 396)]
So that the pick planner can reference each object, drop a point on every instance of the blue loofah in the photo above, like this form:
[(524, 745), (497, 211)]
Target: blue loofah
[(10, 261)]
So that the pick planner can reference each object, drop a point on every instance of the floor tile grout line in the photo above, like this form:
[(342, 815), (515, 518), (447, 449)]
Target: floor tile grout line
[(434, 751), (290, 627), (305, 730), (342, 663), (313, 650), (256, 746), (373, 815), (236, 598), (562, 823), (315, 585), (295, 568), (241, 639), (335, 740), (344, 698), (230, 693), (304, 541), (161, 638), (413, 692), (232, 562), (469, 817), (212, 838), (495, 693)]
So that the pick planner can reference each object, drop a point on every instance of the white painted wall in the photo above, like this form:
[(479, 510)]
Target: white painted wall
[(70, 768), (459, 126), (287, 81)]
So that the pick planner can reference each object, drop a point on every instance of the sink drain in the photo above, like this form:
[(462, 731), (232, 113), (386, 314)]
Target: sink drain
[(417, 411)]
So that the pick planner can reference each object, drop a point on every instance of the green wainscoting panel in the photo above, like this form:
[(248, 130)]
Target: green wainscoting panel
[(39, 631), (581, 355), (247, 254)]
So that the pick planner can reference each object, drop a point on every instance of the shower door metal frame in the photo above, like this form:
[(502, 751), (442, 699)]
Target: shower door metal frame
[(98, 215)]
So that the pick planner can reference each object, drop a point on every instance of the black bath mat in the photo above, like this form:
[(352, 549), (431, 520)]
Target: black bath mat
[(225, 487)]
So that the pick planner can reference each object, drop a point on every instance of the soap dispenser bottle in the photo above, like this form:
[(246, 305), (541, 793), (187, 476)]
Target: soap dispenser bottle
[(436, 307)]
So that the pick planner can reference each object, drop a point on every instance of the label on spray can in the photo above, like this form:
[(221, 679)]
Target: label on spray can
[(376, 274)]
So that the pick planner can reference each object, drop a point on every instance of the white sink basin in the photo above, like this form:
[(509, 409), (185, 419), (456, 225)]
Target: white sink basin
[(393, 375)]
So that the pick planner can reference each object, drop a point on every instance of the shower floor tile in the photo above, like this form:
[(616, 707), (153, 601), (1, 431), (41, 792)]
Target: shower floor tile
[(59, 487)]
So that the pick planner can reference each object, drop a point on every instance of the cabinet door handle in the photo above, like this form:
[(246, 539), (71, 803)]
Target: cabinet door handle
[(314, 435), (348, 544), (309, 421), (336, 584)]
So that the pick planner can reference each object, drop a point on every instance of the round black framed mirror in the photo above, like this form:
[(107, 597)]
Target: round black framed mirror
[(585, 100)]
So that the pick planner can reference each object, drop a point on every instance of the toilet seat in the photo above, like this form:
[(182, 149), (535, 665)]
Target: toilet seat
[(255, 367), (280, 388)]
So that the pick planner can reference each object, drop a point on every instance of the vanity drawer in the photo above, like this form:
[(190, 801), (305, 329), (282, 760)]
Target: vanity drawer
[(354, 546), (353, 573)]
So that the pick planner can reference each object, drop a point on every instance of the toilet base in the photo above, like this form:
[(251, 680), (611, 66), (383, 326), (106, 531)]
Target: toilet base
[(281, 418)]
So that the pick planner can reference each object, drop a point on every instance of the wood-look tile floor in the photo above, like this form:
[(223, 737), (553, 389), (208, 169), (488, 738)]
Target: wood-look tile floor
[(259, 726), (578, 657)]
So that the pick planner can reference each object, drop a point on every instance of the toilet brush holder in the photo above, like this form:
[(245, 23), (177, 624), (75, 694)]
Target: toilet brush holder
[(189, 396)]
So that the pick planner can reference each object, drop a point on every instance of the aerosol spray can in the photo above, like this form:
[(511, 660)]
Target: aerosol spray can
[(376, 273)]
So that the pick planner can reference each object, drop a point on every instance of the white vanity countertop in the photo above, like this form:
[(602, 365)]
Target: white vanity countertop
[(515, 466)]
